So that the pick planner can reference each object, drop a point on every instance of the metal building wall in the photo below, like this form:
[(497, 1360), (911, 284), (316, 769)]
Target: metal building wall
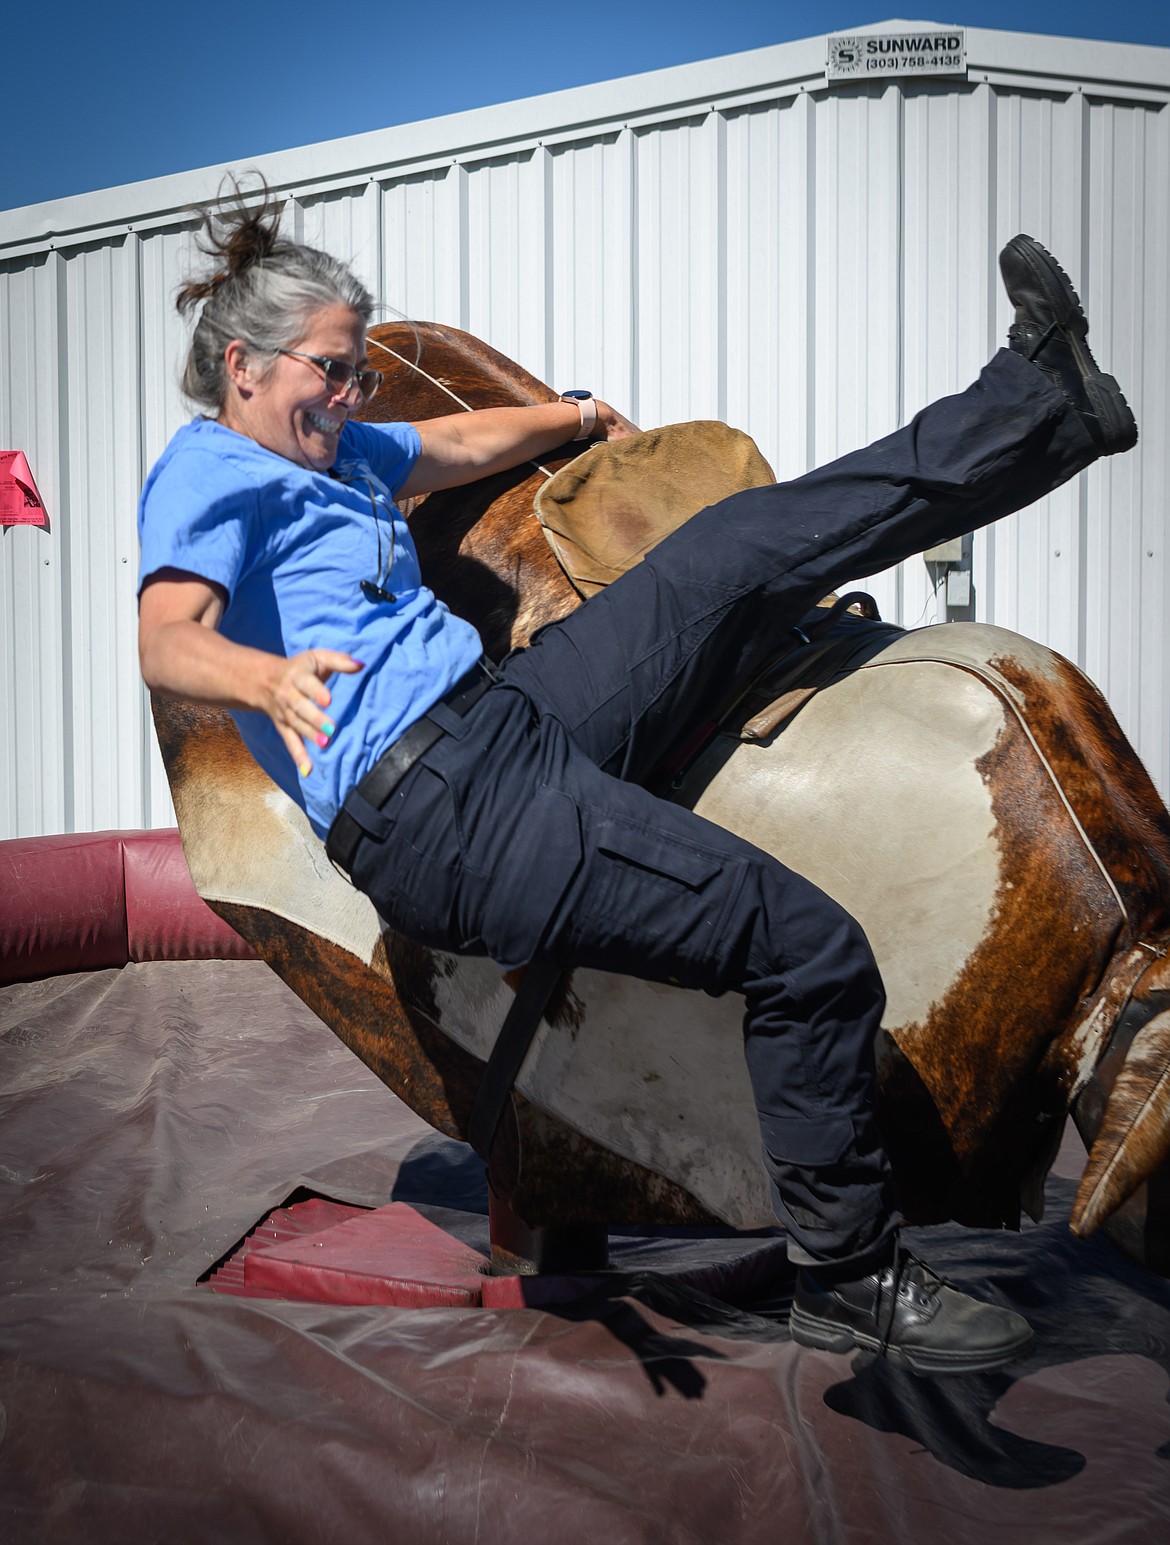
[(733, 240)]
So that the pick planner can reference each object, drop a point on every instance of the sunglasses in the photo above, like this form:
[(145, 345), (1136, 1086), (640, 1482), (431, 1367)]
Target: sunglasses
[(340, 376), (375, 589)]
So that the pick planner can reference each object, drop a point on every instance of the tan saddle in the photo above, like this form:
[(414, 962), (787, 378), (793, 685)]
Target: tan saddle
[(603, 512)]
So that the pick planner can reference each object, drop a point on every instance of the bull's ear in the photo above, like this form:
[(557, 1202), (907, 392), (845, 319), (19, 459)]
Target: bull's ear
[(1134, 1137)]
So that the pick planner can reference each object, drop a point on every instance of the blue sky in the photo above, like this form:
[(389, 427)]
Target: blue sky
[(97, 95)]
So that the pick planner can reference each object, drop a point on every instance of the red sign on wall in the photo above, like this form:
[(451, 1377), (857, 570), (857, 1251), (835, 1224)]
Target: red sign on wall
[(20, 502)]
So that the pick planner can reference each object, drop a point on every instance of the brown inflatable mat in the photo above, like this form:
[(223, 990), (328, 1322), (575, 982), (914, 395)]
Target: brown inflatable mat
[(150, 1115)]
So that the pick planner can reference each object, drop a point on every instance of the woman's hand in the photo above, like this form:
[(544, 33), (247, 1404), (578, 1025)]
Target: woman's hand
[(615, 424), (295, 699), (182, 655)]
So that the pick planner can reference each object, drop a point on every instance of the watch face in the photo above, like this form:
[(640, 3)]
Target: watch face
[(579, 396)]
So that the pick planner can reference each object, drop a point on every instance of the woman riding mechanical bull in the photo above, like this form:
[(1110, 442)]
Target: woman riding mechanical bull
[(500, 810)]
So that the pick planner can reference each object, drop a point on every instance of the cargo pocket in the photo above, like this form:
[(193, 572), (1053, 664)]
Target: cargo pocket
[(831, 1184), (813, 1143), (673, 860), (653, 904), (530, 880)]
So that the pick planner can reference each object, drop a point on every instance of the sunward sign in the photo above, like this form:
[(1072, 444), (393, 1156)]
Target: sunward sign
[(876, 54)]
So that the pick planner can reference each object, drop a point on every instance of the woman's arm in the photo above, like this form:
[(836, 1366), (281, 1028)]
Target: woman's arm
[(182, 655), (461, 447)]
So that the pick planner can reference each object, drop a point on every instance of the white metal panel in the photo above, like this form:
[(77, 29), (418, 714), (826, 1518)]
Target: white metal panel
[(345, 222), (732, 239), (102, 700), (506, 233), (1124, 606), (771, 361), (424, 221), (32, 782), (591, 268), (166, 259), (677, 290), (948, 282), (1150, 721), (1032, 563), (855, 237)]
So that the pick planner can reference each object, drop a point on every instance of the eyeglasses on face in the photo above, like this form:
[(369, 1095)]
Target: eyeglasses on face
[(340, 376)]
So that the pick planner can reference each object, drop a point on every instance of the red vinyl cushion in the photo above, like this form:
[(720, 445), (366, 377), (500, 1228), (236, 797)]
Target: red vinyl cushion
[(392, 1255), (165, 917), (86, 900)]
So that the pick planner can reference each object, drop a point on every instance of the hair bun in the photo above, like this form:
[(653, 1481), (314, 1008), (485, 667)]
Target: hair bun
[(196, 291), (248, 236), (238, 236)]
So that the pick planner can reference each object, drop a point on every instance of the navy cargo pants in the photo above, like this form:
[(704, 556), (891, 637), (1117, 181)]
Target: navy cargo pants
[(525, 830)]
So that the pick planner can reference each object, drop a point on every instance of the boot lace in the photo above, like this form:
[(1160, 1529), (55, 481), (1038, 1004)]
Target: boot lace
[(889, 1288)]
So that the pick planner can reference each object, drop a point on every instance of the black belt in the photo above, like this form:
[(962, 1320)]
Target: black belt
[(393, 765)]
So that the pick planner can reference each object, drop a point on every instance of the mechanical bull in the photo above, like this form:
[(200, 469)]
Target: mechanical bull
[(965, 793)]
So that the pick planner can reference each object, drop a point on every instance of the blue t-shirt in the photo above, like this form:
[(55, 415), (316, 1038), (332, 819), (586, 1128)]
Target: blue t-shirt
[(291, 548)]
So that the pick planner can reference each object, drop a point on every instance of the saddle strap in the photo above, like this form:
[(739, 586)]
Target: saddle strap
[(508, 1054), (822, 657)]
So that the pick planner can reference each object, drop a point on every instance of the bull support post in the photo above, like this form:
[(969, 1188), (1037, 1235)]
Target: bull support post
[(558, 1249), (519, 1248)]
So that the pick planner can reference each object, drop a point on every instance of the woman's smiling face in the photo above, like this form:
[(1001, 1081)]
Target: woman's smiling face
[(289, 407)]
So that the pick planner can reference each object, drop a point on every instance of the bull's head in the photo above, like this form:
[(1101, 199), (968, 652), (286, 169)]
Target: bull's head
[(1125, 1112)]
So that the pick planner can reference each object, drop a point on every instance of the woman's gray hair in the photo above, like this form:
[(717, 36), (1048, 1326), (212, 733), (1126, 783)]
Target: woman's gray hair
[(265, 290)]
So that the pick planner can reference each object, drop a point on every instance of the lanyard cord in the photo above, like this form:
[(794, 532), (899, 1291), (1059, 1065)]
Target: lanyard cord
[(443, 387)]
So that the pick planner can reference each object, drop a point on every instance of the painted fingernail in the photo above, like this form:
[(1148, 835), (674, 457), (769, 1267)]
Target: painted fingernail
[(321, 739), (305, 768), (329, 727)]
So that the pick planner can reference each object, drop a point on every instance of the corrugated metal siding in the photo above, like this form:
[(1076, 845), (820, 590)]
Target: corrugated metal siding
[(731, 241), (32, 724)]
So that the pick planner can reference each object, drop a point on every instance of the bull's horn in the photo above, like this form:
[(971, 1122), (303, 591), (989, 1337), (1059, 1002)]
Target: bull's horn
[(1134, 1138)]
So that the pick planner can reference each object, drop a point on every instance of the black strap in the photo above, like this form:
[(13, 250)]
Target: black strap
[(507, 1055), (827, 615), (388, 772), (341, 842)]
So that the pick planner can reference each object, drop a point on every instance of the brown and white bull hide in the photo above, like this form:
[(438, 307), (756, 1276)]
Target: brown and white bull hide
[(914, 790), (965, 793)]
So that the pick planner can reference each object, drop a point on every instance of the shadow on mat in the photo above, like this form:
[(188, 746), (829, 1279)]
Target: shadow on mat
[(668, 1361), (1083, 1299)]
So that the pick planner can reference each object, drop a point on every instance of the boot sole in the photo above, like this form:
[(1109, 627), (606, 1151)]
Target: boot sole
[(826, 1336), (1118, 426)]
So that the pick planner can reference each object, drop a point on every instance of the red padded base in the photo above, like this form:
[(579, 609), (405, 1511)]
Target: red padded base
[(392, 1255), (291, 1222)]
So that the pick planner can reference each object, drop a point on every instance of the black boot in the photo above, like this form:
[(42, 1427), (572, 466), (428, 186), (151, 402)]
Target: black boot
[(907, 1313), (1050, 330)]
